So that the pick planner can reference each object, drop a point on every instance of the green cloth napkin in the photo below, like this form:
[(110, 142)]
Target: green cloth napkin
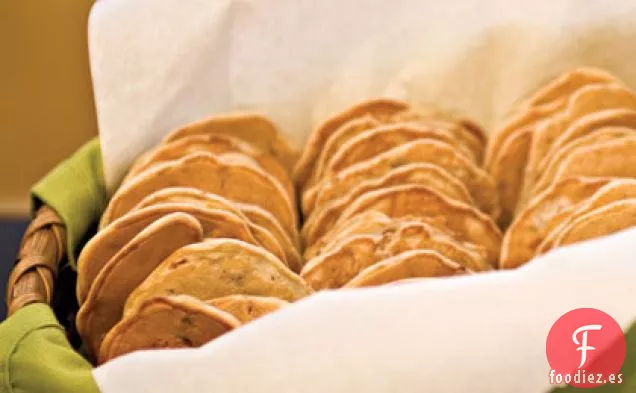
[(76, 190), (35, 355)]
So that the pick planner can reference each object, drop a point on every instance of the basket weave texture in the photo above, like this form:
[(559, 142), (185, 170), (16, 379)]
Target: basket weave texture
[(41, 251)]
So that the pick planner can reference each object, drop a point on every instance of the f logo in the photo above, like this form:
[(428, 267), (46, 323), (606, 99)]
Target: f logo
[(584, 347), (586, 344)]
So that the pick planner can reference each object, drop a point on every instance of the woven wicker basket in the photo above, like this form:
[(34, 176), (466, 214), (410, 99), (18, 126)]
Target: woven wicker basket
[(41, 251), (40, 274)]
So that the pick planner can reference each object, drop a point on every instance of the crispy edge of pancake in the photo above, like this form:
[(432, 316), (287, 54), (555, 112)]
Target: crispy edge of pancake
[(182, 146), (247, 209), (527, 118), (585, 100), (92, 260), (367, 222), (189, 231), (489, 234), (569, 82), (616, 189), (508, 171), (602, 135), (600, 160), (264, 135), (262, 223), (238, 255), (546, 101), (397, 268), (478, 182), (378, 107), (463, 130), (384, 138), (247, 308), (616, 216), (590, 123), (352, 254), (122, 202), (525, 233), (375, 222), (465, 134), (153, 308), (328, 214), (340, 136), (247, 231)]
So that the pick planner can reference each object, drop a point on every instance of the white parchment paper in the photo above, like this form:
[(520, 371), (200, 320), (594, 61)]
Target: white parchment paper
[(158, 64)]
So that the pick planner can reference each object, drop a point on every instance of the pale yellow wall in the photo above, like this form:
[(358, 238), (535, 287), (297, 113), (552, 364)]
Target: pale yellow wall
[(46, 102)]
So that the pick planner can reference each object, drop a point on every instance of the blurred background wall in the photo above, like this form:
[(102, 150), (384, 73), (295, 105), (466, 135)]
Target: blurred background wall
[(46, 102)]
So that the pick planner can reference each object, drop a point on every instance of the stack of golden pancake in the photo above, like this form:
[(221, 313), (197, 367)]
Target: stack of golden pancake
[(565, 163), (392, 193), (201, 237)]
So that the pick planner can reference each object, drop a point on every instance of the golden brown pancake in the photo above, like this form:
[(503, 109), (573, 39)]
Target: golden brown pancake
[(568, 83), (104, 303), (339, 137), (247, 308), (235, 181), (365, 223), (416, 173), (380, 139), (611, 218), (349, 256), (217, 144), (381, 108), (526, 119), (589, 124), (479, 183), (542, 215), (416, 200), (166, 322), (604, 135), (466, 133), (424, 174), (508, 171), (258, 219), (107, 242), (376, 223), (253, 128), (586, 100), (217, 268), (616, 190), (509, 149), (409, 264), (467, 136), (613, 158), (547, 101)]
